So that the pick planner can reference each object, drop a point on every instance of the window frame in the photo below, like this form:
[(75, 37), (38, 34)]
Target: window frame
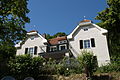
[(63, 45), (85, 29), (31, 51), (86, 44), (32, 37), (54, 48)]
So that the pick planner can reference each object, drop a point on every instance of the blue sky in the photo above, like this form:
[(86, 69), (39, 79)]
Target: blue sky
[(52, 16)]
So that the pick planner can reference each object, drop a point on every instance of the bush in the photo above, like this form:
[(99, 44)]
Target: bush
[(88, 63), (114, 66), (50, 67), (69, 66), (24, 66)]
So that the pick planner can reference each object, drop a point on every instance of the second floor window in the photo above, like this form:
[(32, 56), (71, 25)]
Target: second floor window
[(86, 43), (31, 51)]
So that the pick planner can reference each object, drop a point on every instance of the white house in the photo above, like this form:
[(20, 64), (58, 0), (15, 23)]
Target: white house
[(33, 44), (90, 37), (86, 36)]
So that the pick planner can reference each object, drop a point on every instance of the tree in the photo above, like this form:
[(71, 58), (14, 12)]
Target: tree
[(12, 20), (24, 65), (89, 63), (110, 19), (60, 34)]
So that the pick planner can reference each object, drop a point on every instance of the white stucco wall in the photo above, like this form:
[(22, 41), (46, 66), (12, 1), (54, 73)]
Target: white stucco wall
[(100, 50), (38, 41)]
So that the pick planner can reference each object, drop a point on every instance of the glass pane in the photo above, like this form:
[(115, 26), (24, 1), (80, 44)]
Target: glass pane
[(86, 43), (62, 47), (30, 50)]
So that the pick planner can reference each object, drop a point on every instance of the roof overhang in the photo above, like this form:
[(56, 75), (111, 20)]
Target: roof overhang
[(103, 31)]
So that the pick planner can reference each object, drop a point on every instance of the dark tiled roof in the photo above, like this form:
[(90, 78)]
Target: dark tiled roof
[(56, 40)]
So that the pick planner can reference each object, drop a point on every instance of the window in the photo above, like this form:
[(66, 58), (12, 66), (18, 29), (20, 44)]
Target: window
[(86, 43), (32, 37), (31, 51), (64, 41), (62, 47), (85, 29), (53, 48)]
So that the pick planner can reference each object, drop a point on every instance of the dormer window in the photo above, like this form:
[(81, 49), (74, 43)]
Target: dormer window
[(64, 41), (86, 29), (32, 37)]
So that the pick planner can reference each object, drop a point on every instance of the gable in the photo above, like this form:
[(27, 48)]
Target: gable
[(32, 39), (89, 28)]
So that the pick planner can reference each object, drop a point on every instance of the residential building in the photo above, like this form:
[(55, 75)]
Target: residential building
[(57, 48), (90, 37), (33, 44), (86, 36)]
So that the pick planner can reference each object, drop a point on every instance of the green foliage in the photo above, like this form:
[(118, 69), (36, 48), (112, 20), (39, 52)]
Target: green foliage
[(69, 66), (50, 67), (88, 63), (6, 52), (24, 66), (48, 36), (114, 66), (59, 34), (110, 19), (12, 20)]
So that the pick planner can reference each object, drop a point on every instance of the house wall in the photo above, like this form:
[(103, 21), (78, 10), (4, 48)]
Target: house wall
[(38, 41), (100, 50)]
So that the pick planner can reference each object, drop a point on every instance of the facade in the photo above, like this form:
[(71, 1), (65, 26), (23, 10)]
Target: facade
[(33, 45), (57, 48), (90, 37), (86, 36), (57, 44)]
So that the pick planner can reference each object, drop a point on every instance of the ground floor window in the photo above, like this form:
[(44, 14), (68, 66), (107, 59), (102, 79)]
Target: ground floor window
[(53, 48), (62, 47)]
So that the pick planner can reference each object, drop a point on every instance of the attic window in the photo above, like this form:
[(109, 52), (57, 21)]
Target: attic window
[(32, 37), (86, 29)]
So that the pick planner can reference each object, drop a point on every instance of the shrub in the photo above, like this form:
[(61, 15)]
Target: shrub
[(50, 67), (114, 66), (69, 66), (24, 65), (88, 63)]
